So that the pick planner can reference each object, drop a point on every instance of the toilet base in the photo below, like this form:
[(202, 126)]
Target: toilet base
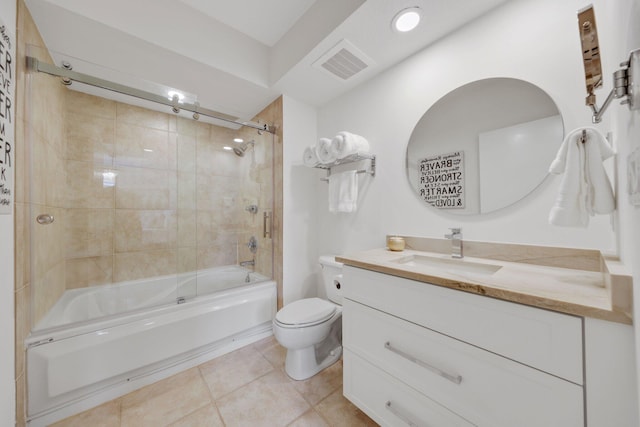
[(301, 364)]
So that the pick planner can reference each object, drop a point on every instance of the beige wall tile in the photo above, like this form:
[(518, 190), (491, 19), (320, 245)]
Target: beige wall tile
[(143, 147), (186, 153), (89, 271), (216, 256), (142, 117), (139, 188), (138, 265), (213, 159), (46, 290), (22, 246), (81, 103), (220, 194), (89, 232), (186, 190), (89, 185), (187, 260), (211, 231), (145, 230), (187, 127), (90, 138), (187, 228)]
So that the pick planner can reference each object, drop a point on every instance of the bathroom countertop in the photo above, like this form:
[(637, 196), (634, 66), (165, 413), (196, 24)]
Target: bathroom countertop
[(603, 294)]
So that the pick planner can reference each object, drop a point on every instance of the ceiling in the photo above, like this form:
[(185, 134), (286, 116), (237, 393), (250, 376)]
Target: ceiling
[(237, 56)]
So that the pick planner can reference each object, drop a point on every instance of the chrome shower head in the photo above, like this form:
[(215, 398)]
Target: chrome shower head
[(242, 148)]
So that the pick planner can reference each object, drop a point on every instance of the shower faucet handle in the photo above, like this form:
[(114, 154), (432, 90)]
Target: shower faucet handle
[(253, 244)]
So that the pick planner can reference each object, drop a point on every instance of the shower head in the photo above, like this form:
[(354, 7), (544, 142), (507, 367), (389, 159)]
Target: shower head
[(240, 149)]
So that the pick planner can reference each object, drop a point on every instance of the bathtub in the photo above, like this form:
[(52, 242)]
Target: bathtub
[(101, 342)]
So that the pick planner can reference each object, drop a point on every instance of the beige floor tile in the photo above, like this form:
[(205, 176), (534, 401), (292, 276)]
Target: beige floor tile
[(339, 412), (166, 401), (272, 351), (270, 401), (105, 415), (204, 417), (309, 419), (322, 384), (231, 371)]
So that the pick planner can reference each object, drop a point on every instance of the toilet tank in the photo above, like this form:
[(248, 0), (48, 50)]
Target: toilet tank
[(332, 277)]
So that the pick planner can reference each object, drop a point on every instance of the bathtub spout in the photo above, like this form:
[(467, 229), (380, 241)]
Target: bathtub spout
[(246, 263)]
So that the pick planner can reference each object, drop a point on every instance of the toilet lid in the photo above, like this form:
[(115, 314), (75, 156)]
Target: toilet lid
[(306, 311)]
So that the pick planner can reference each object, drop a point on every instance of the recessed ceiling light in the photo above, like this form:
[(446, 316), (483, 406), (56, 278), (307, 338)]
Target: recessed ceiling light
[(406, 20)]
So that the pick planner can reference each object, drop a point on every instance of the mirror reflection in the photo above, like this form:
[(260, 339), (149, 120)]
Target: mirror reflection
[(484, 146)]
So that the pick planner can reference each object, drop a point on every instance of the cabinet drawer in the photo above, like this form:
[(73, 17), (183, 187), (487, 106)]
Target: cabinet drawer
[(482, 387), (390, 402), (543, 339)]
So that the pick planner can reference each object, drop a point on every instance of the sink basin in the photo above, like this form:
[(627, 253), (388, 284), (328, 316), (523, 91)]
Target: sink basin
[(457, 266)]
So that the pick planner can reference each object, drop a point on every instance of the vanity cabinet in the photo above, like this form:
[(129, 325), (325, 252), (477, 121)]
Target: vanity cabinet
[(418, 354)]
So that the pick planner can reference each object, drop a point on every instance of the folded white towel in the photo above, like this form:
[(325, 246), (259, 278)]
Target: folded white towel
[(323, 151), (345, 143), (343, 191), (585, 188), (309, 157)]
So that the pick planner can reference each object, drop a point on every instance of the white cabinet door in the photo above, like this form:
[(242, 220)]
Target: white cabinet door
[(551, 342), (484, 388)]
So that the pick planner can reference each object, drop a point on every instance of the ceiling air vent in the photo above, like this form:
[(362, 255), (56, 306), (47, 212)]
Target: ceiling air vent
[(343, 61)]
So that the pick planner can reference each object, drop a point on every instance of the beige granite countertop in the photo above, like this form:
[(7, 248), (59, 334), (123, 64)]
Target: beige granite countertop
[(583, 291)]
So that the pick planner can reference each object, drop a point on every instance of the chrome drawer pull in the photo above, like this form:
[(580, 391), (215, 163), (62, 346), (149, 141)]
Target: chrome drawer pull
[(400, 415), (457, 379)]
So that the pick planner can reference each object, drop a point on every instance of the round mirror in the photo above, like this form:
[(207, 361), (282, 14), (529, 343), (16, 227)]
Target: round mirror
[(484, 146)]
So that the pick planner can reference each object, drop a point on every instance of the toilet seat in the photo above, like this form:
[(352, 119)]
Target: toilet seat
[(305, 312)]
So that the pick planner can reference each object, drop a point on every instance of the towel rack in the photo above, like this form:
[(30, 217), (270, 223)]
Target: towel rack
[(371, 170)]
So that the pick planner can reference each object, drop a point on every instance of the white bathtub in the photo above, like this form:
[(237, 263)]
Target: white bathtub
[(99, 343)]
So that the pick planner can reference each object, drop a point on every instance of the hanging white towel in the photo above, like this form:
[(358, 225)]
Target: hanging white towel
[(309, 157), (343, 192), (585, 189), (323, 151), (345, 144)]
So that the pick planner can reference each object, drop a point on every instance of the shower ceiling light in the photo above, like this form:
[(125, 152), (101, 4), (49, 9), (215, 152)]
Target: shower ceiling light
[(406, 20), (173, 93)]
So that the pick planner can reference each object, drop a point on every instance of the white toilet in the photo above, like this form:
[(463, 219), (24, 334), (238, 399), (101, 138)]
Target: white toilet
[(311, 328)]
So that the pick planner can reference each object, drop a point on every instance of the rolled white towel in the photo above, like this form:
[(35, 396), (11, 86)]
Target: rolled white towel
[(346, 143), (323, 151), (309, 157)]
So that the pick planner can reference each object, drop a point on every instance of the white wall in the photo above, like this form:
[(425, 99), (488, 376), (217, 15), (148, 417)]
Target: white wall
[(623, 35), (300, 248), (533, 40), (7, 319)]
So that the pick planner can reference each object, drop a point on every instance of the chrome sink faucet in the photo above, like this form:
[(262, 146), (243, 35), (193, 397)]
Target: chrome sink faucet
[(456, 242)]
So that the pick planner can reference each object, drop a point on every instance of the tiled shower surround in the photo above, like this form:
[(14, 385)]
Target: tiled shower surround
[(148, 194), (135, 193)]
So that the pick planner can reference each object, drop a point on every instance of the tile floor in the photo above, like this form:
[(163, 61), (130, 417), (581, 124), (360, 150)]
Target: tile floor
[(247, 387)]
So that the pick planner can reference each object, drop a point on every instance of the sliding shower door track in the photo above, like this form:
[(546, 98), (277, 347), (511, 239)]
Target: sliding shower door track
[(69, 75)]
